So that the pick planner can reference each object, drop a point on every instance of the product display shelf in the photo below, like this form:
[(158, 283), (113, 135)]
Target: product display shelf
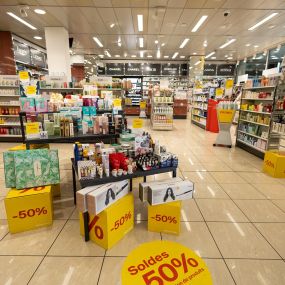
[(61, 89), (255, 128), (9, 109), (97, 181), (199, 107)]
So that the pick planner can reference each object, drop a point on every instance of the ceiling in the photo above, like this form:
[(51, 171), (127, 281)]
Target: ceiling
[(168, 21)]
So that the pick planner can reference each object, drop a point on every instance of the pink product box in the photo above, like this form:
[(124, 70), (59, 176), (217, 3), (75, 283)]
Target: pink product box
[(27, 104), (41, 104)]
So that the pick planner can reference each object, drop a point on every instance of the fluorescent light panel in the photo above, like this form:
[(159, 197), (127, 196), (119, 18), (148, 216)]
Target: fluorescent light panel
[(227, 43), (97, 41), (108, 54), (199, 23), (141, 42), (140, 23), (262, 21), (21, 20), (183, 44), (149, 56), (175, 55), (210, 54), (141, 53), (158, 53), (198, 62)]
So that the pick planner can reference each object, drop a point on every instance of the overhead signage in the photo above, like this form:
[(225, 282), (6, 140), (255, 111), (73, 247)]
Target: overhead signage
[(170, 69), (37, 58), (101, 70), (21, 52), (210, 69), (184, 68), (133, 69), (226, 70), (114, 68), (152, 69)]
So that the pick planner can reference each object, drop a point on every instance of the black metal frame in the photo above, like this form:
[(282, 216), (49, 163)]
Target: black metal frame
[(97, 181)]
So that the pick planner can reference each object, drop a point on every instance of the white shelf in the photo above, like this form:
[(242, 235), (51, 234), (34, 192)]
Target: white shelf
[(10, 116), (7, 95), (199, 108), (255, 136), (254, 147), (255, 123), (10, 136), (199, 116), (257, 99), (259, 87), (10, 125), (265, 113)]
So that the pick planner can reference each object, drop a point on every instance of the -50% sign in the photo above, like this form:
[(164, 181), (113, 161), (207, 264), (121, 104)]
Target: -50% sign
[(122, 220), (162, 263), (31, 213), (165, 219)]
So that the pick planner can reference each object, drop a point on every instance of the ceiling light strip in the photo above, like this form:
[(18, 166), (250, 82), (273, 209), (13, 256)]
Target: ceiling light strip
[(210, 54), (227, 43), (174, 55), (183, 44), (140, 23), (21, 20), (97, 41), (263, 21), (199, 23), (141, 42)]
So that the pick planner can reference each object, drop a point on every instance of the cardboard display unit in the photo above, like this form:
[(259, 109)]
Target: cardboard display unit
[(274, 164), (112, 224), (165, 218), (169, 192), (29, 209), (106, 195)]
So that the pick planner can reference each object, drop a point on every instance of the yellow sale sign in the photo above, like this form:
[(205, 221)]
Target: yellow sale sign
[(32, 128), (142, 104), (31, 90), (112, 224), (219, 92), (274, 164), (117, 102), (137, 123), (165, 218), (24, 75), (163, 263), (29, 208)]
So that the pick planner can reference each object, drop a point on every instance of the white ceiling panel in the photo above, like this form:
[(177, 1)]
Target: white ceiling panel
[(158, 3), (155, 20), (176, 3), (272, 4), (121, 3), (170, 20), (139, 3), (195, 3), (186, 21), (102, 3), (70, 3), (125, 20), (215, 4), (108, 16)]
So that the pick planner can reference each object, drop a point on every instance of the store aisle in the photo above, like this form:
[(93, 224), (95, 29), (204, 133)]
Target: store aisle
[(236, 222)]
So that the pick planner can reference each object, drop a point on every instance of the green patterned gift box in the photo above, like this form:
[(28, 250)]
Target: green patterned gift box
[(9, 169)]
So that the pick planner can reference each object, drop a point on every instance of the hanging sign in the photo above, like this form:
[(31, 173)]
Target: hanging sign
[(32, 130), (219, 93), (133, 69), (184, 69), (170, 69), (137, 123), (114, 69), (117, 103), (210, 69), (226, 70), (101, 70), (152, 69), (37, 57), (229, 83), (163, 263), (31, 90), (21, 52), (24, 75)]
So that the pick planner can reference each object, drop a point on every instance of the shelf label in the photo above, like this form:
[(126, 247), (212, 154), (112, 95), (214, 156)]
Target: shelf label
[(162, 263), (137, 123)]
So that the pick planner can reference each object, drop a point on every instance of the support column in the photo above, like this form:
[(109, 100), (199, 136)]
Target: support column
[(57, 45), (7, 60)]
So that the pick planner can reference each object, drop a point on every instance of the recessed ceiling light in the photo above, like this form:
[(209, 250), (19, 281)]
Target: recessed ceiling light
[(194, 53), (141, 42), (107, 53), (244, 60), (156, 42), (205, 43), (100, 55), (256, 46), (112, 25), (133, 56), (210, 54), (166, 56), (227, 43), (175, 55), (213, 57), (40, 11), (119, 42), (158, 53), (141, 53), (97, 41), (199, 23), (183, 44), (190, 67), (182, 56), (21, 20), (149, 56), (262, 21), (163, 44), (39, 38), (117, 55), (226, 55), (125, 54), (247, 45), (140, 23)]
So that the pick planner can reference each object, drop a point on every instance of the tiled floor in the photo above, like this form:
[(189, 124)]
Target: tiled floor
[(236, 222)]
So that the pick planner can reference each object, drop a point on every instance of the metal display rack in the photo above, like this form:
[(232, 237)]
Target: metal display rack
[(97, 181), (200, 107), (254, 132)]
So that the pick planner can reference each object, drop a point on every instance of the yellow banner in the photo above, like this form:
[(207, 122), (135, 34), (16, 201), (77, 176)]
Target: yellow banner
[(142, 104), (219, 92), (229, 84), (137, 123), (32, 128), (24, 75), (31, 90), (117, 102)]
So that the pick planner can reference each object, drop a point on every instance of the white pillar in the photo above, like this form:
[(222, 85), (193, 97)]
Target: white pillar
[(57, 45)]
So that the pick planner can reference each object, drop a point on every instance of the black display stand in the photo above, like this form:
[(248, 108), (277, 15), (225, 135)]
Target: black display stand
[(110, 138), (97, 181)]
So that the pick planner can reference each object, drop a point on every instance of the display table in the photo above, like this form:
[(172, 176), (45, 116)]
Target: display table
[(97, 181)]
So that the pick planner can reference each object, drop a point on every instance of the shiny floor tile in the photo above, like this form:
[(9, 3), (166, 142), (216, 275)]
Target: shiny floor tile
[(272, 190), (227, 177), (280, 204), (261, 210), (189, 167), (220, 210), (71, 243), (63, 207), (209, 190), (241, 240), (196, 236), (18, 270), (190, 211), (140, 210), (214, 166), (199, 177), (257, 272), (67, 270), (241, 191), (275, 234), (35, 242), (252, 177), (3, 228)]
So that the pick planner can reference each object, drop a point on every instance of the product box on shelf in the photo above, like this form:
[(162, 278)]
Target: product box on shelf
[(164, 193), (112, 224), (164, 218), (41, 104), (144, 186), (86, 169), (108, 194), (27, 104), (29, 208), (274, 164)]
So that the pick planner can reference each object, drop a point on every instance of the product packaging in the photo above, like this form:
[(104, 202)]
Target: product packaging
[(105, 196), (41, 104), (165, 193), (86, 169), (27, 104)]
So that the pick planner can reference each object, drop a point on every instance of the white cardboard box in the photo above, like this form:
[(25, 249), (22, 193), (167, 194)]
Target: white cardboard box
[(143, 187), (165, 193), (108, 194)]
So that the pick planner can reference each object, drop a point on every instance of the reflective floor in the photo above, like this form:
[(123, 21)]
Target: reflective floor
[(236, 222)]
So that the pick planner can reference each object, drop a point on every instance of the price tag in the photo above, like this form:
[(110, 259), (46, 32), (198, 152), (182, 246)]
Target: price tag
[(31, 90), (32, 128), (24, 75), (137, 123), (117, 102), (163, 263)]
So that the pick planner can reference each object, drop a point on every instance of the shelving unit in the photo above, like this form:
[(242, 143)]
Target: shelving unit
[(133, 96), (254, 132), (10, 129), (200, 106)]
